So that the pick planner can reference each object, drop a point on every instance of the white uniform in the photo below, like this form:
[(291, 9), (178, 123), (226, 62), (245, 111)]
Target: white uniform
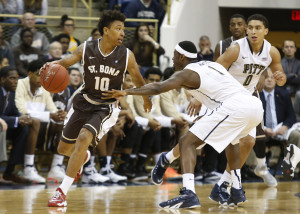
[(235, 112), (249, 66)]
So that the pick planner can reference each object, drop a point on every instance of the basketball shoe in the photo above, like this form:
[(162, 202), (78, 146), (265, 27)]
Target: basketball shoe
[(287, 164), (86, 159), (186, 199), (220, 193), (237, 196), (58, 199), (263, 172), (31, 174), (157, 173), (108, 172), (56, 174), (91, 176)]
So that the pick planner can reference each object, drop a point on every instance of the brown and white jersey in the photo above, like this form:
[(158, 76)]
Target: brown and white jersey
[(102, 72)]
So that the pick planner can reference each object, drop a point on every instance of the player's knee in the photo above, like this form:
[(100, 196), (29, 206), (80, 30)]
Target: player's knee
[(247, 142), (84, 138)]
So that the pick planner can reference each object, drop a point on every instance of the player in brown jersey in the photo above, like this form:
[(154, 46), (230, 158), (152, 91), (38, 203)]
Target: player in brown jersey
[(105, 62)]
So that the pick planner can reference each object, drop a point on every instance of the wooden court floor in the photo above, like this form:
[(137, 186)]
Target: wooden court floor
[(145, 199)]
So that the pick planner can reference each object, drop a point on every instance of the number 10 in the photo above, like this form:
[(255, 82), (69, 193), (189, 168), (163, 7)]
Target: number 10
[(102, 84)]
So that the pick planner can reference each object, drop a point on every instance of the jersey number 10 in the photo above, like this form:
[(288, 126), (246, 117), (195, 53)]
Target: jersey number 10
[(101, 83)]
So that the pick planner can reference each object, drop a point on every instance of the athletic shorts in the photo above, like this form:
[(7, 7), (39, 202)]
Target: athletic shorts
[(230, 122), (98, 119)]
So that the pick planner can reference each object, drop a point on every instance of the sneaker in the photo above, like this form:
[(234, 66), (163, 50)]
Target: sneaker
[(263, 172), (58, 199), (15, 178), (126, 169), (56, 174), (198, 176), (186, 199), (91, 176), (86, 159), (237, 196), (157, 173), (171, 174), (287, 168), (211, 176), (31, 174), (110, 173), (220, 193)]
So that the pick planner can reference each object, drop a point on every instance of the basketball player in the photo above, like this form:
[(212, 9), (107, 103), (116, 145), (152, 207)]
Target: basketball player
[(237, 27), (246, 60), (105, 62), (235, 112)]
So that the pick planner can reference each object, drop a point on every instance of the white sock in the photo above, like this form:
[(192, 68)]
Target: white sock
[(57, 160), (66, 184), (156, 157), (225, 177), (108, 160), (296, 159), (28, 160), (188, 181), (170, 156), (261, 161), (92, 160), (236, 178)]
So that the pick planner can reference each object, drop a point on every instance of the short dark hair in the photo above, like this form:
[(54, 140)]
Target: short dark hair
[(237, 15), (73, 68), (153, 70), (60, 36), (259, 17), (94, 30), (35, 65), (169, 71), (291, 40), (24, 30), (108, 17), (189, 47), (4, 72)]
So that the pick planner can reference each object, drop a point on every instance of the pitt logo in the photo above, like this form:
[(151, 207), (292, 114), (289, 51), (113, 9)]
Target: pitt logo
[(104, 69), (253, 68)]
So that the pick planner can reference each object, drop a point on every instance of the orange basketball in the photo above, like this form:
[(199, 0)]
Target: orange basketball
[(54, 78)]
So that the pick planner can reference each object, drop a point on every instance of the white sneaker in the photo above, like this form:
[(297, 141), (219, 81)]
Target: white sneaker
[(91, 176), (263, 172), (109, 173), (31, 173), (56, 174)]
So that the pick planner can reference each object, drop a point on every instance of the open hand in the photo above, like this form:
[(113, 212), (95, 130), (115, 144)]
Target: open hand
[(193, 107), (117, 94)]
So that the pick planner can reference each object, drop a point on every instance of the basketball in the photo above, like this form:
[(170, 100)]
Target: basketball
[(54, 78)]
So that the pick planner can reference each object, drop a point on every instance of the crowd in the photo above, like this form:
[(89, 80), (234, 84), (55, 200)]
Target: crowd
[(26, 109)]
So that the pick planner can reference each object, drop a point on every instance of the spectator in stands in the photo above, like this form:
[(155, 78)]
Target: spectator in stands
[(5, 49), (40, 41), (35, 101), (25, 53), (279, 118), (205, 53), (95, 34), (144, 9), (37, 7), (17, 125), (75, 79), (9, 7), (143, 46), (67, 26), (64, 40), (291, 66), (55, 51)]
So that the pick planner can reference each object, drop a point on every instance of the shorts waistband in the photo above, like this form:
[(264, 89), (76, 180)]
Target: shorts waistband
[(95, 102)]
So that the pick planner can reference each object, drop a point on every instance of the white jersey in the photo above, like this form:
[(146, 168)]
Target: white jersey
[(217, 85), (249, 66)]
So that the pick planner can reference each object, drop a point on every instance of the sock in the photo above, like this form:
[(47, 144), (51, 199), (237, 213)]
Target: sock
[(261, 161), (188, 181), (102, 161), (225, 177), (296, 159), (92, 160), (170, 156), (108, 159), (66, 184), (156, 157), (236, 178), (28, 160), (57, 160)]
